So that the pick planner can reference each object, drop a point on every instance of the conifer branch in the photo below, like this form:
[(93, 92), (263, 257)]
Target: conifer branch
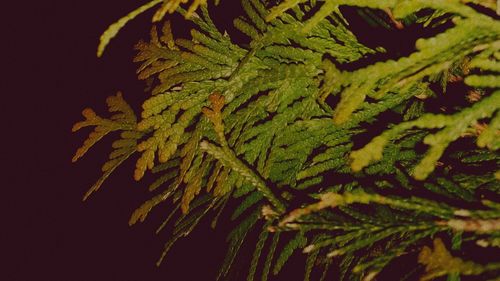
[(231, 124)]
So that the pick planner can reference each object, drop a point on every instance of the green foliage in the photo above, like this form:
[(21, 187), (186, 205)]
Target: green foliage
[(391, 228), (168, 6), (440, 262), (455, 126), (123, 121), (282, 128), (299, 241)]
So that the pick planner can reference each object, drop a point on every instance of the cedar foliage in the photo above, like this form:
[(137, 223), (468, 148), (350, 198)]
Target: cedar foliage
[(286, 126)]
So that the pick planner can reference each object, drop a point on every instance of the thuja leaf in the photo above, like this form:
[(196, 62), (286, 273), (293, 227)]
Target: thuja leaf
[(236, 238), (439, 261), (285, 124), (257, 252), (113, 29), (123, 120), (299, 241)]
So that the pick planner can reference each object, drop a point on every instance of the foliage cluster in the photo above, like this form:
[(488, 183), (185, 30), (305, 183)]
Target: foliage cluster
[(287, 127)]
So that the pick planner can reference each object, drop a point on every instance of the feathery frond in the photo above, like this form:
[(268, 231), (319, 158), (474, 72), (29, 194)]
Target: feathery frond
[(124, 121), (307, 134)]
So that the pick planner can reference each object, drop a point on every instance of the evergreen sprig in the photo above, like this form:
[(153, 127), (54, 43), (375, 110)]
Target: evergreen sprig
[(282, 131)]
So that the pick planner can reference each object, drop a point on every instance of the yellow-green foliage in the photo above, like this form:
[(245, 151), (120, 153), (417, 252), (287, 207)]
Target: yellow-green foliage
[(123, 121), (167, 6), (455, 126), (439, 262), (271, 127)]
